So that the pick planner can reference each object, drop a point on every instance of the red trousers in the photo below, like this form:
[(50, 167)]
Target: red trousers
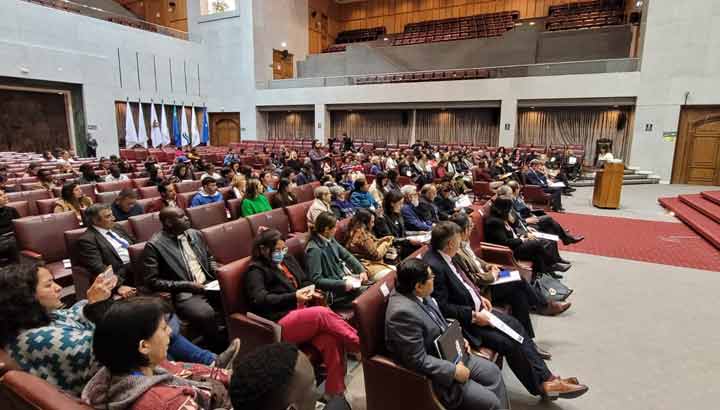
[(329, 333)]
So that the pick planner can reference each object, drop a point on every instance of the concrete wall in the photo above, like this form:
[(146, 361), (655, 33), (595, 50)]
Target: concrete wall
[(596, 44), (277, 22), (54, 45)]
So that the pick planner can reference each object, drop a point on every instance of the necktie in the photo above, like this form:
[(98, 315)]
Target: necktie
[(440, 321), (123, 243), (467, 280)]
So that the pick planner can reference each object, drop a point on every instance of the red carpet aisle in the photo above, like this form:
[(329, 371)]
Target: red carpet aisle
[(648, 241)]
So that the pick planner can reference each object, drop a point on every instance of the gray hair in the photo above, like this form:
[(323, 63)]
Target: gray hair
[(93, 212), (505, 190), (408, 190), (320, 191)]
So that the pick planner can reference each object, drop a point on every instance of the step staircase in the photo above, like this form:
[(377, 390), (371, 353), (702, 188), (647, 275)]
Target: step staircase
[(633, 176), (701, 212)]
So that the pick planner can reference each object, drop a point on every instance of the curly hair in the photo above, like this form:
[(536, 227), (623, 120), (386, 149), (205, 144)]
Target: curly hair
[(261, 379), (19, 307)]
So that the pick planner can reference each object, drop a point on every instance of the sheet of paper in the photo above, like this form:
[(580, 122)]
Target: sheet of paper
[(548, 236), (310, 289), (572, 161), (503, 327), (463, 201), (509, 276), (424, 238), (214, 286), (557, 185)]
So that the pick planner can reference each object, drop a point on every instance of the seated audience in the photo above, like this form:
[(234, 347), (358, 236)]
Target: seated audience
[(177, 260), (207, 194), (426, 208), (72, 199), (391, 223), (499, 230), (47, 180), (444, 203), (226, 176), (539, 219), (126, 205), (210, 172), (88, 175), (330, 266), (267, 181), (413, 321), (535, 176), (361, 198), (378, 188), (393, 184), (115, 175), (283, 197), (183, 172), (8, 243), (156, 176), (412, 219), (168, 197), (322, 203), (238, 187), (131, 343), (254, 201), (276, 288), (306, 175), (371, 251), (340, 205), (458, 298)]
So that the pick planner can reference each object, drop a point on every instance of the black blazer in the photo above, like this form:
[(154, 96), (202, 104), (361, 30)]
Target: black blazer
[(451, 295), (496, 232), (390, 225), (445, 207), (427, 211), (270, 294), (95, 252)]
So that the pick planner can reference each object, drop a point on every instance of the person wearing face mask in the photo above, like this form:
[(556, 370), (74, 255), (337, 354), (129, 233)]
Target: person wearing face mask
[(177, 260), (278, 289)]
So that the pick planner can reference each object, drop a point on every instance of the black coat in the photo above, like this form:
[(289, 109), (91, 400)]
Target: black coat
[(427, 211), (445, 207), (95, 252), (496, 232), (270, 294)]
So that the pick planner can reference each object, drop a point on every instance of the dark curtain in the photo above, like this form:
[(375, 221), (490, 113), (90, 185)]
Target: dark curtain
[(291, 125), (391, 126), (575, 126), (459, 126)]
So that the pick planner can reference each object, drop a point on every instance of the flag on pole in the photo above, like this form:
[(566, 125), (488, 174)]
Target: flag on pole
[(142, 131), (165, 133), (155, 132), (176, 128), (205, 128), (194, 128), (184, 127), (131, 137)]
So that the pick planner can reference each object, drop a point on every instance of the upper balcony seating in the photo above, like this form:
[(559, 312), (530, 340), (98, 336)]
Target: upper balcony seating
[(459, 28), (355, 36), (589, 14)]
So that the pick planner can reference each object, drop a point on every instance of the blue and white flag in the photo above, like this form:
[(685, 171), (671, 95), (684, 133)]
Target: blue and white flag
[(205, 128)]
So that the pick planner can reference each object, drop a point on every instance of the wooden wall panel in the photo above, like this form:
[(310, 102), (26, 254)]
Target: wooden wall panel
[(32, 121)]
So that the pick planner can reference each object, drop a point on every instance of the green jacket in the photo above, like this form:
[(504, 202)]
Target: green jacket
[(255, 206), (324, 260)]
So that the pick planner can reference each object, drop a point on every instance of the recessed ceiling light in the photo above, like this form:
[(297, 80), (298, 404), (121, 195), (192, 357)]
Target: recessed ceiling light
[(283, 44)]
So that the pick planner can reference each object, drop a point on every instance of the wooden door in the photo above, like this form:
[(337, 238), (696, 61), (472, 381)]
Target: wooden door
[(224, 128), (282, 65), (697, 153)]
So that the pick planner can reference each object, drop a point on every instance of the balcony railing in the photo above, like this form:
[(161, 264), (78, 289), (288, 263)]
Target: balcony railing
[(101, 14), (617, 65)]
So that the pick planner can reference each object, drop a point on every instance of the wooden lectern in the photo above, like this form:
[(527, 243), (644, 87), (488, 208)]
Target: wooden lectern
[(608, 184)]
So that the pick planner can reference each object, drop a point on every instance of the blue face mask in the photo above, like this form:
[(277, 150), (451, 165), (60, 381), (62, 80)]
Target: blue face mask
[(278, 257)]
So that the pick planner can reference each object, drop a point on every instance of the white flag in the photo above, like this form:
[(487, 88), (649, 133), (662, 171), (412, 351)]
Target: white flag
[(142, 131), (131, 137), (194, 128), (164, 127), (155, 133), (184, 127)]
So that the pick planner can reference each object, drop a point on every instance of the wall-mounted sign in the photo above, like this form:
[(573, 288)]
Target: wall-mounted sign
[(92, 127), (669, 136), (648, 127), (507, 127)]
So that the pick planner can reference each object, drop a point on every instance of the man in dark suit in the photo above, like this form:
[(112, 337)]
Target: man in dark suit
[(426, 209), (177, 260), (104, 244), (460, 299), (412, 323), (535, 176)]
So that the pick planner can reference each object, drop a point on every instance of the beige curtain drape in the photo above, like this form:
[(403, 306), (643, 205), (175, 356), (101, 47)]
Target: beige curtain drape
[(561, 126), (459, 126), (290, 125), (391, 127)]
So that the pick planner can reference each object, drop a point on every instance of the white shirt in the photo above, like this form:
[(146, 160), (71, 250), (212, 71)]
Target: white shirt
[(191, 260), (391, 164), (110, 178), (119, 249), (476, 299)]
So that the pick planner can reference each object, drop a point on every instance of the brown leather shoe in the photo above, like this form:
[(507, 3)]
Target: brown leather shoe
[(556, 308), (558, 388)]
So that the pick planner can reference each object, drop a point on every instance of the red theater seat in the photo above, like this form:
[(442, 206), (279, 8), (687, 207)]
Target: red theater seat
[(145, 226), (114, 186), (297, 215), (207, 215), (272, 219), (230, 241)]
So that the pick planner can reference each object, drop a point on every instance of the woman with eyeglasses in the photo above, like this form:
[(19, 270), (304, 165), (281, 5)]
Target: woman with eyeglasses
[(278, 289)]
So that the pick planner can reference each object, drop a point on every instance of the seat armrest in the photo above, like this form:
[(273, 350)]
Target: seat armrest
[(410, 389), (31, 254), (252, 333)]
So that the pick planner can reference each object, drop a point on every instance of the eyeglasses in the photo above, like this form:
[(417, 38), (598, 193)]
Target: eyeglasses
[(283, 250)]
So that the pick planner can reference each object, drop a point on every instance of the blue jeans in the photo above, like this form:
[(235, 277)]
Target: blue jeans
[(183, 350)]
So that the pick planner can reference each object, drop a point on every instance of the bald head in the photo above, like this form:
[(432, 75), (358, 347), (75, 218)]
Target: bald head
[(174, 220)]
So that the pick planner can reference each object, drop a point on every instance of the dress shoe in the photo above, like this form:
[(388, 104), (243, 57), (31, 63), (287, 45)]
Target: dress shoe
[(560, 388), (570, 239), (561, 267), (225, 359), (555, 308), (556, 275), (567, 193), (565, 261), (544, 354), (571, 189), (558, 210)]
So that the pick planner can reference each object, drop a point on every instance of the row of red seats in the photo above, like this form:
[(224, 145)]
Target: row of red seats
[(477, 26), (360, 35), (585, 15)]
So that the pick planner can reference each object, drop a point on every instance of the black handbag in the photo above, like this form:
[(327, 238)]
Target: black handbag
[(552, 289)]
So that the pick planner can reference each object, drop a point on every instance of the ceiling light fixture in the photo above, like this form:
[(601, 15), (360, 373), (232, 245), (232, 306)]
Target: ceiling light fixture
[(283, 44), (532, 23)]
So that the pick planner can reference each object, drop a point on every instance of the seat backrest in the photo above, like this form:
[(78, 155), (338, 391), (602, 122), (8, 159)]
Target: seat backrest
[(188, 186), (305, 193), (183, 199), (207, 215), (297, 215), (44, 234), (235, 207), (272, 219), (21, 390), (136, 263), (232, 283), (145, 202), (296, 247), (140, 182), (341, 230), (45, 206), (114, 186), (107, 197), (369, 310), (31, 197), (149, 192), (270, 196), (229, 241), (145, 226), (21, 207)]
